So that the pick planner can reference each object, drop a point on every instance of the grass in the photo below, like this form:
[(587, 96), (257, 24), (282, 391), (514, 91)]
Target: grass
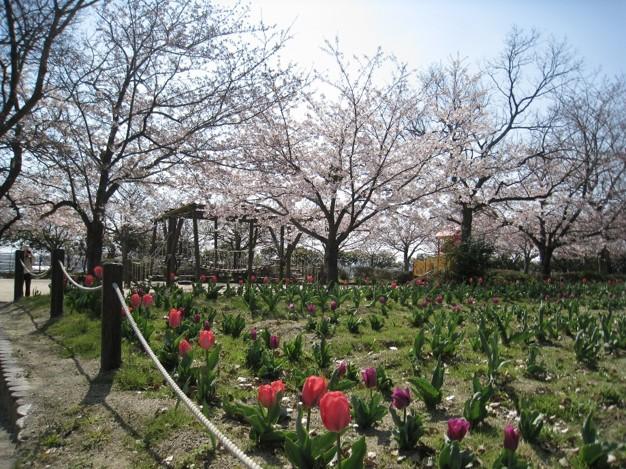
[(571, 391)]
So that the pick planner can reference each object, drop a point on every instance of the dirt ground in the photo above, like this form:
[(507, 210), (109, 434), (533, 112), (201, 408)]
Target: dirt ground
[(78, 419)]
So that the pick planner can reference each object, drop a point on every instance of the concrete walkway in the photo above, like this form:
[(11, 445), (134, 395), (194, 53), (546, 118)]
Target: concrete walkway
[(6, 288)]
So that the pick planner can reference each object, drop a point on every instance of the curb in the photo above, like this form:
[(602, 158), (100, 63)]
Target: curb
[(14, 390)]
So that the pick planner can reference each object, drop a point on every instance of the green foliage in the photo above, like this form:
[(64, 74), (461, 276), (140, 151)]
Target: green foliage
[(475, 408), (309, 452), (376, 322), (293, 349), (408, 430), (321, 354), (233, 324), (470, 258), (444, 337), (430, 392), (535, 368), (368, 412), (531, 423), (594, 452), (353, 323), (587, 346)]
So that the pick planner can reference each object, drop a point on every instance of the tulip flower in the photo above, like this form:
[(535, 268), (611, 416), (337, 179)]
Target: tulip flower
[(266, 396), (511, 437), (184, 347), (312, 391), (394, 285), (278, 386), (309, 278), (174, 318), (206, 339), (342, 368), (369, 377), (311, 308), (382, 300), (253, 278), (335, 411), (253, 333), (241, 282), (89, 280), (457, 428), (333, 305), (196, 318), (274, 342), (207, 325), (135, 300), (98, 271), (203, 278), (147, 300), (401, 398), (291, 306), (335, 414), (172, 277), (213, 279)]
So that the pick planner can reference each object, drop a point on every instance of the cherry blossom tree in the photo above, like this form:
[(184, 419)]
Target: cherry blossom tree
[(30, 39), (489, 117), (588, 178), (336, 160), (152, 89)]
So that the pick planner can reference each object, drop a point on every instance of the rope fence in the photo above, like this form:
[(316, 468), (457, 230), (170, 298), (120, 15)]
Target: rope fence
[(33, 274), (77, 285), (193, 408)]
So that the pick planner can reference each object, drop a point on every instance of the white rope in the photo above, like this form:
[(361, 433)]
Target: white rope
[(193, 408), (78, 285), (34, 275)]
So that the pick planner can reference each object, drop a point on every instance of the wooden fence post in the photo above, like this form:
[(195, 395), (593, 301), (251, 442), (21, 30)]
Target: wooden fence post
[(111, 338), (57, 284), (18, 282)]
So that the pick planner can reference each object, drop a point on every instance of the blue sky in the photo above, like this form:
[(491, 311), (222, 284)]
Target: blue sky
[(421, 32)]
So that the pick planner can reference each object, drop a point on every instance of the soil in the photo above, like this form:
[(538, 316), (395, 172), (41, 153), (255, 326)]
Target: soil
[(78, 419)]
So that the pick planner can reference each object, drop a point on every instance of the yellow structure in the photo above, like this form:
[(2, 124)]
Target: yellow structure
[(430, 264)]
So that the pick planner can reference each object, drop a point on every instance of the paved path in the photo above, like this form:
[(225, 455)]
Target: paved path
[(6, 288)]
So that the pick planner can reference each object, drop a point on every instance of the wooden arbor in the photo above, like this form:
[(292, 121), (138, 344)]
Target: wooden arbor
[(173, 221)]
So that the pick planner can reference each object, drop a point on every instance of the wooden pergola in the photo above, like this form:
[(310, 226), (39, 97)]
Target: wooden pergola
[(173, 221)]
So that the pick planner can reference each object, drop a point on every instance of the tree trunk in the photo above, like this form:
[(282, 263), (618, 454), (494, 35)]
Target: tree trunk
[(545, 257), (407, 260), (467, 215), (331, 260), (95, 240)]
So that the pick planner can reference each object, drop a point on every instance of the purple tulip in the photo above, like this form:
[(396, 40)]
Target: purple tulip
[(400, 398), (196, 318), (457, 428), (369, 377), (253, 333), (383, 300), (342, 368), (207, 325), (291, 306), (333, 305), (310, 308), (511, 437), (274, 341)]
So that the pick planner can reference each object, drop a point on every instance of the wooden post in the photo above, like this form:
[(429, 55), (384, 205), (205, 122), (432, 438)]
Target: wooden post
[(281, 254), (56, 287), (196, 246), (18, 281), (250, 248), (111, 337)]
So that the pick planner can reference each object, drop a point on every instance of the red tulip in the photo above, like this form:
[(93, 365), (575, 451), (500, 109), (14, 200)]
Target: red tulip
[(203, 278), (97, 271), (206, 339), (135, 300), (253, 278), (439, 299), (267, 394), (174, 318), (278, 386), (213, 279), (335, 411), (266, 280), (309, 278), (147, 300), (313, 390), (89, 279), (457, 428), (184, 347), (394, 285)]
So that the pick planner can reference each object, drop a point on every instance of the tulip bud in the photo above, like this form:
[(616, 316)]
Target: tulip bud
[(342, 369), (206, 339), (184, 347), (253, 333), (457, 428), (333, 305), (174, 318), (312, 391), (135, 300), (97, 271), (89, 280), (274, 341), (511, 437), (335, 411), (147, 300), (196, 318), (369, 377), (382, 300), (400, 398), (311, 308)]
